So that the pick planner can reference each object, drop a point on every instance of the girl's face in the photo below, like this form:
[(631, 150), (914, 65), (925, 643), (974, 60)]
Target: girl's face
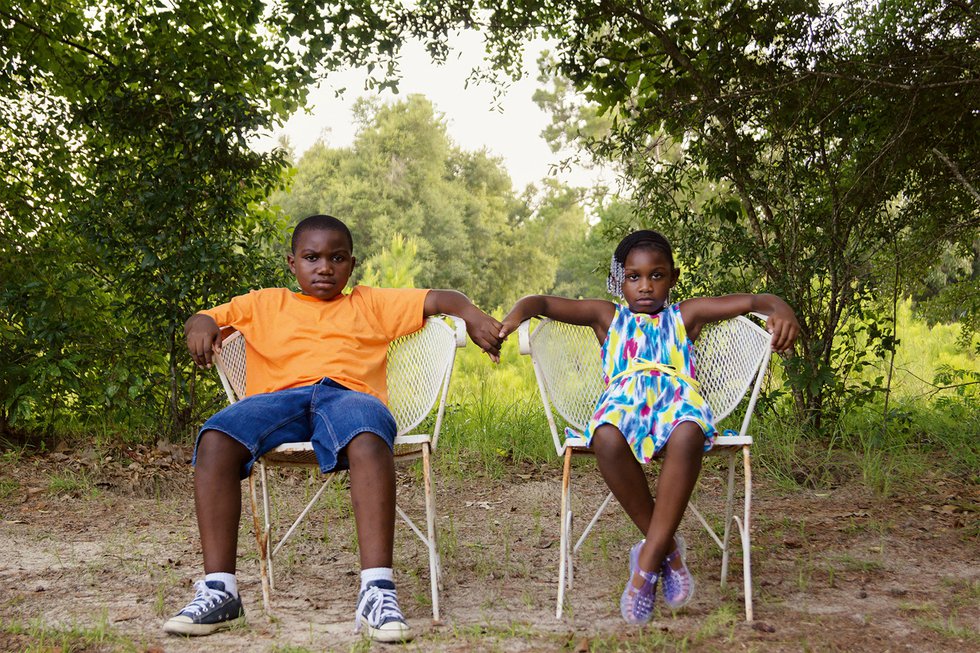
[(322, 262), (649, 276)]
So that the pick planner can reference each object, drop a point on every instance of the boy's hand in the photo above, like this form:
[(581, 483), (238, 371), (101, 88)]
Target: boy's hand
[(784, 327), (203, 338), (484, 331)]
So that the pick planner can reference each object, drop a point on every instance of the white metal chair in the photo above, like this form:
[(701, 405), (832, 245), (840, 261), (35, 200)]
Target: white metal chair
[(419, 368), (730, 357)]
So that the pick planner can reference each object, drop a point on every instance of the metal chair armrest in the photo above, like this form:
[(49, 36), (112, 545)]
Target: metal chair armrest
[(524, 337)]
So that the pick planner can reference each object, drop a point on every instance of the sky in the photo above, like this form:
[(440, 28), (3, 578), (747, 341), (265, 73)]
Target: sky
[(511, 130)]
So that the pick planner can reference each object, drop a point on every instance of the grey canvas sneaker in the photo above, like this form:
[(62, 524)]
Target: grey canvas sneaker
[(212, 609), (377, 608)]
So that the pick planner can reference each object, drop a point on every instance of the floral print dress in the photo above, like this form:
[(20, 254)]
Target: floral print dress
[(650, 381)]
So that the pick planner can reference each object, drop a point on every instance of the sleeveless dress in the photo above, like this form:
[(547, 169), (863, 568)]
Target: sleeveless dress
[(650, 381)]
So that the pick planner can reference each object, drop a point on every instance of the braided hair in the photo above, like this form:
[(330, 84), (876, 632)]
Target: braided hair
[(644, 239), (320, 223)]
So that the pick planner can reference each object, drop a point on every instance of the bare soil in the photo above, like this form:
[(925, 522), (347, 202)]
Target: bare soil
[(99, 549)]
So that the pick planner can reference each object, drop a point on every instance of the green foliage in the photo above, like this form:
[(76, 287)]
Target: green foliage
[(818, 151), (395, 266), (130, 197), (404, 178)]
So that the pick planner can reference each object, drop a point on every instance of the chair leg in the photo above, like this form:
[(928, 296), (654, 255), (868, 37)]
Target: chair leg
[(565, 530), (435, 571), (262, 540), (746, 533), (729, 509), (266, 499)]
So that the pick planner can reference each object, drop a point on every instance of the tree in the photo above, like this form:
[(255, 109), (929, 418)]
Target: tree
[(835, 139), (396, 266), (130, 196)]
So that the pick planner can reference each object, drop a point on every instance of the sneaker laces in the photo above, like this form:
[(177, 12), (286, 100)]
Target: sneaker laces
[(383, 608), (204, 599)]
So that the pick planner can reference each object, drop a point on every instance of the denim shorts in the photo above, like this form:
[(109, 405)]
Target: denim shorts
[(326, 414)]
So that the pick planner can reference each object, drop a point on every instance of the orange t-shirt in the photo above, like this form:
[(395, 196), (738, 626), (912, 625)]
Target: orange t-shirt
[(294, 340)]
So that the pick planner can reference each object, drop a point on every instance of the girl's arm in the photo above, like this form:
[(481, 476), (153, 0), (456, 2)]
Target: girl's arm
[(781, 322), (482, 328), (595, 313)]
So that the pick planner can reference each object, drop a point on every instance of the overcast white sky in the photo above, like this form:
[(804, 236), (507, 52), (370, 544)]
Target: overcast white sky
[(513, 133)]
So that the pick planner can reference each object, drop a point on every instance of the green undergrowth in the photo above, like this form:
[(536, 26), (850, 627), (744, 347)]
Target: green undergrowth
[(494, 421), (35, 636)]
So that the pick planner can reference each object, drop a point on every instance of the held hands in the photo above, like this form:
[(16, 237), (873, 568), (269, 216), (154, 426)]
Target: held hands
[(203, 338), (484, 331)]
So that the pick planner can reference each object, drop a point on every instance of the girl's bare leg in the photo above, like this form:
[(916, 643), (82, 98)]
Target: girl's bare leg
[(623, 474), (678, 475)]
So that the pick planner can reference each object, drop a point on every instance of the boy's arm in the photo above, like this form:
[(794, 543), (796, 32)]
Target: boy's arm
[(595, 313), (483, 329), (781, 321), (203, 337)]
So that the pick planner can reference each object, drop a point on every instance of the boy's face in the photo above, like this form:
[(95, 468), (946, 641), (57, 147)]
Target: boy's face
[(648, 279), (322, 262)]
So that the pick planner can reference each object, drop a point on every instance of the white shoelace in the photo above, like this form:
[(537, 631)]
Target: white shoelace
[(204, 599), (385, 605)]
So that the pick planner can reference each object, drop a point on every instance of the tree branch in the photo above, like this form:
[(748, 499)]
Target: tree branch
[(956, 173), (51, 37)]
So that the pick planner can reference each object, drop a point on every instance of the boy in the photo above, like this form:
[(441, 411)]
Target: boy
[(316, 371)]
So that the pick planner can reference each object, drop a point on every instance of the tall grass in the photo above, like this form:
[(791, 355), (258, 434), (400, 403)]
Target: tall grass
[(494, 418), (926, 430)]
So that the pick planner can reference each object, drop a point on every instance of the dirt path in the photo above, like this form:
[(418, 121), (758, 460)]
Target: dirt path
[(108, 548)]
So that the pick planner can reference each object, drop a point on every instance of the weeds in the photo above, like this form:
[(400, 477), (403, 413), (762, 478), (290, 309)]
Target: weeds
[(78, 484), (39, 637)]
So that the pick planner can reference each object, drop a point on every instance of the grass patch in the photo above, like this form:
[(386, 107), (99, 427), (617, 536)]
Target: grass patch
[(36, 637), (7, 487), (948, 627), (77, 484)]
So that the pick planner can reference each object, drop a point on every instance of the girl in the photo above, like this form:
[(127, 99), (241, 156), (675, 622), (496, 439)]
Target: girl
[(651, 405)]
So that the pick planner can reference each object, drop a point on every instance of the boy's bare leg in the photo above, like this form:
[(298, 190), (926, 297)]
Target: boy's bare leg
[(678, 476), (372, 491), (623, 474), (218, 498)]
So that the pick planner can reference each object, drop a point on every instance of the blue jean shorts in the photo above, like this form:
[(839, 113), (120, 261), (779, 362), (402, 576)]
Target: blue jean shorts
[(326, 414)]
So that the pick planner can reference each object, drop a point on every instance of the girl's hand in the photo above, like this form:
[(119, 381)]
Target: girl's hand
[(784, 327), (508, 326)]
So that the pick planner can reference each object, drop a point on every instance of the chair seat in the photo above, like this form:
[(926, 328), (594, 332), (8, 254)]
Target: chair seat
[(722, 442)]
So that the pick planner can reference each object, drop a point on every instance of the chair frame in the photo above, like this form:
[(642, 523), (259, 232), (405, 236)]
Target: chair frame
[(231, 366), (723, 395)]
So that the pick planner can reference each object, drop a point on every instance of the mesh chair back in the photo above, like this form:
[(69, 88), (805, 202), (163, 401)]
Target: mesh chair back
[(570, 362), (417, 368), (727, 357), (418, 365), (231, 364)]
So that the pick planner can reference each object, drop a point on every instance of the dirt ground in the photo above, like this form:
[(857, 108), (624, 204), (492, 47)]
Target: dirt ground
[(99, 550)]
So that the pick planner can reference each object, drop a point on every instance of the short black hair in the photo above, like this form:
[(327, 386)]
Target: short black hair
[(644, 239), (322, 222)]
